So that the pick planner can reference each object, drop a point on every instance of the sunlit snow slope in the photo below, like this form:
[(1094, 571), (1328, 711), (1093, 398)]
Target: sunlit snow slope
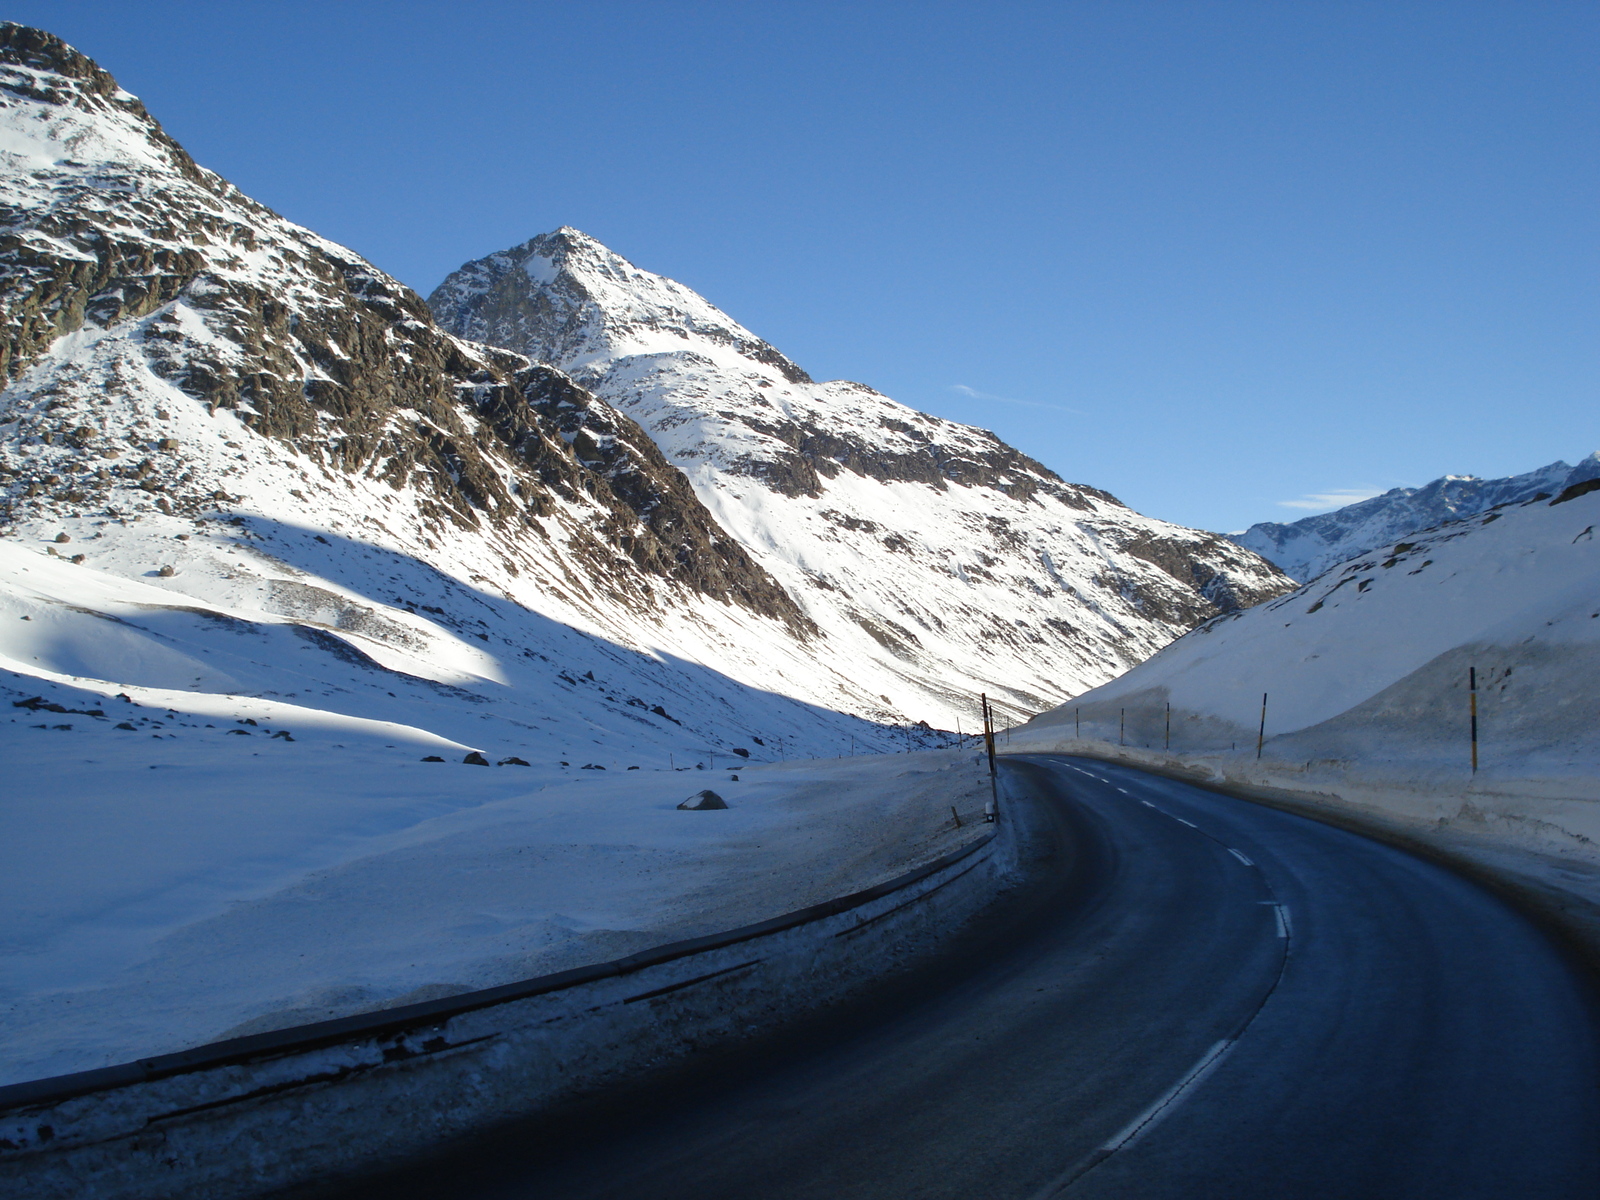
[(937, 561), (1367, 670), (272, 474)]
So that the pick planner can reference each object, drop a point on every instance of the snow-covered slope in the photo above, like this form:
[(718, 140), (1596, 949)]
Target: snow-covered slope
[(1366, 672), (231, 424), (1304, 549), (279, 559), (936, 560)]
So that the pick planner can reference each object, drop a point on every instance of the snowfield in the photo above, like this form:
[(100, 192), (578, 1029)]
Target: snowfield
[(220, 820), (197, 876)]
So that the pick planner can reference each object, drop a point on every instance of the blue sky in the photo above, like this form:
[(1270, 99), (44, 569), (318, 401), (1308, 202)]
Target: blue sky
[(1217, 258)]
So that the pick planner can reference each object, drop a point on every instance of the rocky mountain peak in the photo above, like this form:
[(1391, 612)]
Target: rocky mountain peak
[(940, 559), (564, 297)]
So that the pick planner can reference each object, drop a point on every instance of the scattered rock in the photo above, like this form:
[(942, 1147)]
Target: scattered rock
[(433, 758), (167, 572), (63, 538), (701, 801), (78, 558), (733, 779), (512, 762), (591, 767), (36, 703), (124, 725), (167, 444), (475, 759), (240, 732), (633, 768), (284, 734)]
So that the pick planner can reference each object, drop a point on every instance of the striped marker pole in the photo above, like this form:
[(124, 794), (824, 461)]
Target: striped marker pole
[(1261, 734), (1472, 701)]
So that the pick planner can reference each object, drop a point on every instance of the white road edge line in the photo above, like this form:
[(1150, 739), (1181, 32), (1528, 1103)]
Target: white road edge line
[(1240, 857), (1152, 1116), (1147, 804), (1283, 920), (1190, 824)]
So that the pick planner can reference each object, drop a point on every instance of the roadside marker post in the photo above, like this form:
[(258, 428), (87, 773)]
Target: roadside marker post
[(1472, 701), (988, 740), (1166, 743), (1122, 726), (1261, 734)]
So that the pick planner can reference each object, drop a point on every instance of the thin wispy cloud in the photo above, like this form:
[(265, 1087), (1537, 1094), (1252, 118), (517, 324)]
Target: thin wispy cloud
[(975, 394), (1337, 498)]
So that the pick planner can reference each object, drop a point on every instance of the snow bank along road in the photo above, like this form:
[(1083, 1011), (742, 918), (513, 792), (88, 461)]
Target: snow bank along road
[(1202, 998)]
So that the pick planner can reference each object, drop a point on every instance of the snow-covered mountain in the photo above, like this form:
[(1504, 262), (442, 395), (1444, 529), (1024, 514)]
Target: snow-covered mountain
[(1304, 549), (275, 475), (936, 560)]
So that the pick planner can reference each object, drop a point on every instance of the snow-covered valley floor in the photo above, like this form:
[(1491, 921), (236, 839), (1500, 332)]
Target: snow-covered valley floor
[(196, 876)]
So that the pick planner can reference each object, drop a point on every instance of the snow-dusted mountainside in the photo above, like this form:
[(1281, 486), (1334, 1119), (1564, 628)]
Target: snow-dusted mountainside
[(1366, 671), (238, 431), (936, 560), (1304, 549), (312, 616)]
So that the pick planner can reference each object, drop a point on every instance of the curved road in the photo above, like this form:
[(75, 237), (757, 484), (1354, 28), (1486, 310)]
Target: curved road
[(1198, 997)]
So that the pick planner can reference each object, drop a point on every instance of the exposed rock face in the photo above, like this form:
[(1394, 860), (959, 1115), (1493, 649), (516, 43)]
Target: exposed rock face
[(135, 283), (939, 561), (1306, 548)]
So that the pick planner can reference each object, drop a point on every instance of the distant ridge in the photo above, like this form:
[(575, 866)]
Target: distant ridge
[(1306, 548)]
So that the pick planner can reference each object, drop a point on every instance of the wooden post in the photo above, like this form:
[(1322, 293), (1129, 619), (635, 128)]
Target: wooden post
[(988, 738), (1472, 689), (1261, 734), (1167, 740), (1122, 725), (988, 730), (1076, 732)]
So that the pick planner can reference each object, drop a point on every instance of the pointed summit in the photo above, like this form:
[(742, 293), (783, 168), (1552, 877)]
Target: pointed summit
[(565, 297)]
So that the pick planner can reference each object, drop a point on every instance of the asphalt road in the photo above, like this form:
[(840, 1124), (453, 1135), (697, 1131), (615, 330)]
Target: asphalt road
[(1197, 997)]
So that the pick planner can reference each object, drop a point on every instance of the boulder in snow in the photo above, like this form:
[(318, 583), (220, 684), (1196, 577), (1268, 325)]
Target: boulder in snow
[(703, 800)]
